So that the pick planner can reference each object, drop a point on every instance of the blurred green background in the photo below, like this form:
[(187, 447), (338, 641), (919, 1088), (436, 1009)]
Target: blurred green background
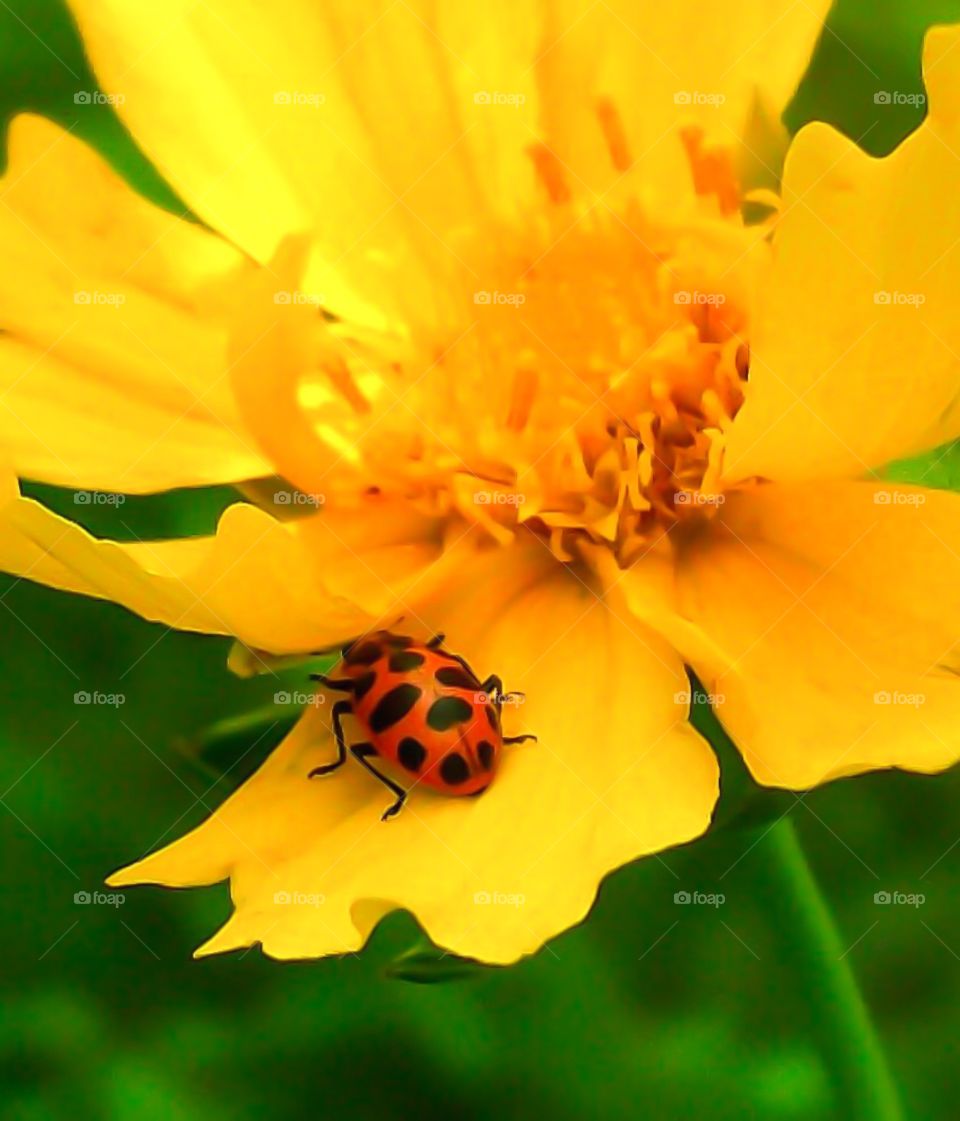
[(648, 1010)]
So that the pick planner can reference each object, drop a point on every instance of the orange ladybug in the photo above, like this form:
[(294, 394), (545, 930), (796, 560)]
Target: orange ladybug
[(422, 710)]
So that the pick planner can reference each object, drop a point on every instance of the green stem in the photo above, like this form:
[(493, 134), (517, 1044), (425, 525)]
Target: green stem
[(818, 956)]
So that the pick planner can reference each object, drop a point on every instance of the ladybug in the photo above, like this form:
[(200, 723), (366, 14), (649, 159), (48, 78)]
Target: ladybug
[(423, 710)]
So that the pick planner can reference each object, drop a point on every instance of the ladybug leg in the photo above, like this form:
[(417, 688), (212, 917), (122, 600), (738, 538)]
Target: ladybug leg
[(493, 687), (343, 683), (362, 752), (436, 642), (340, 709)]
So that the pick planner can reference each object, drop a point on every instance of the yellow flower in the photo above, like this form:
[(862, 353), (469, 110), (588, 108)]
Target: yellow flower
[(563, 405)]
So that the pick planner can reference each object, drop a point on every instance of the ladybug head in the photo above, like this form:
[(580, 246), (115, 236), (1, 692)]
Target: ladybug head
[(356, 648)]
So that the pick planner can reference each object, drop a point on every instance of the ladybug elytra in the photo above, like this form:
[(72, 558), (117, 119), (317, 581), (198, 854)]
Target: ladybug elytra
[(422, 710)]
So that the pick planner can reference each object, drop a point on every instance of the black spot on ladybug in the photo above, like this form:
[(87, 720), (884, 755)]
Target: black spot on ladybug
[(402, 661), (454, 769), (411, 753), (492, 717), (485, 754), (362, 653), (399, 641), (447, 711), (457, 677), (393, 706), (363, 684)]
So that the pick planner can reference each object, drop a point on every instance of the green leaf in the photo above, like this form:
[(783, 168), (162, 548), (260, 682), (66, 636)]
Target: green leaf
[(186, 512), (45, 71), (244, 661), (939, 468), (237, 744)]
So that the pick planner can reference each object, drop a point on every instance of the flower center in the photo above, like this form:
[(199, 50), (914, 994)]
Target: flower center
[(584, 388)]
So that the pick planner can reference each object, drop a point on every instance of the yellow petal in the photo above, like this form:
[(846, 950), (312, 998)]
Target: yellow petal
[(273, 585), (280, 137), (273, 347), (112, 356), (359, 122), (647, 591), (662, 67), (617, 773), (841, 605), (854, 356)]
